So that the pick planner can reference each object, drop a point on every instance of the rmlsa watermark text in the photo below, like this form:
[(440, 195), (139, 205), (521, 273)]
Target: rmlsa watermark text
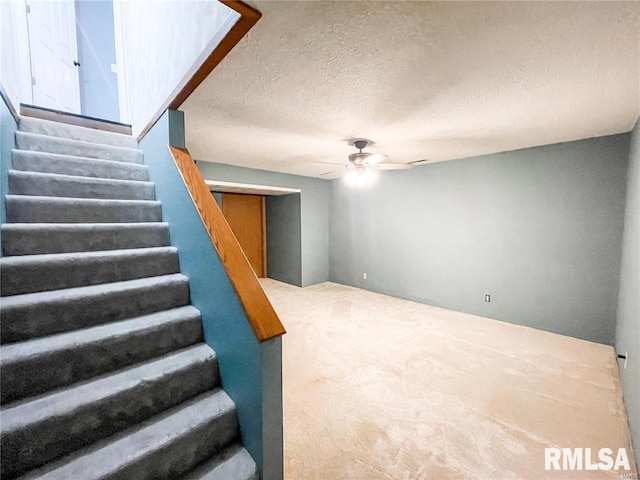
[(585, 459)]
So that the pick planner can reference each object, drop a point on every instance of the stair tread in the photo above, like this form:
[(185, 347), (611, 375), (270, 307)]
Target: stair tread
[(45, 143), (64, 295), (17, 352), (46, 162), (39, 209), (100, 460), (69, 399), (57, 271), (51, 128), (48, 238), (87, 201), (77, 186), (70, 141), (79, 178), (82, 226), (233, 463), (31, 315), (97, 256)]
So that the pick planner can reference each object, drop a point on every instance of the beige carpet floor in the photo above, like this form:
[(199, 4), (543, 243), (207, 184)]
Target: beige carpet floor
[(381, 388)]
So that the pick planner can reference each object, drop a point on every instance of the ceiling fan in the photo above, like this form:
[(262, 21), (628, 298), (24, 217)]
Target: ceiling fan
[(361, 162)]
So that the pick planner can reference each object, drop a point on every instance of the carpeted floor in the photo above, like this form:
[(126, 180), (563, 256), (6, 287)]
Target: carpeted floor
[(381, 388)]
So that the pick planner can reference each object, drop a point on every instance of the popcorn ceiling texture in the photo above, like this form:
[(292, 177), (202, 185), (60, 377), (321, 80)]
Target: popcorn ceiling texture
[(437, 80), (381, 388)]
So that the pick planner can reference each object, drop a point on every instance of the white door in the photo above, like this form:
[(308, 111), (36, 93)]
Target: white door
[(54, 49)]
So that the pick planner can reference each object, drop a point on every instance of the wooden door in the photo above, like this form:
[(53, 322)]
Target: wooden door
[(246, 217)]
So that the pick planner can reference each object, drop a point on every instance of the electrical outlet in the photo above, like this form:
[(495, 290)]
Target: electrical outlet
[(487, 298), (623, 356), (364, 276)]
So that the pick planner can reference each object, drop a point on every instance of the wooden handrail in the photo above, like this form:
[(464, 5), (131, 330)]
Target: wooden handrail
[(262, 317)]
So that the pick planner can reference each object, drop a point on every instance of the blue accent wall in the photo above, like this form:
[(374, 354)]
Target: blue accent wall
[(226, 328), (539, 229), (96, 53), (628, 324), (8, 126)]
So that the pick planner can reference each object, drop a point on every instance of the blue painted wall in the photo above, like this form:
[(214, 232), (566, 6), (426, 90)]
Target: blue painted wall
[(8, 126), (539, 229), (628, 325), (96, 53), (226, 328), (284, 238)]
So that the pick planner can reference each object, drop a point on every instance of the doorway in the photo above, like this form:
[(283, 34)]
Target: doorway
[(73, 58), (246, 217)]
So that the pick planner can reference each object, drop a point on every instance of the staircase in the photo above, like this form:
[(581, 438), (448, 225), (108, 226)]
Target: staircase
[(103, 369)]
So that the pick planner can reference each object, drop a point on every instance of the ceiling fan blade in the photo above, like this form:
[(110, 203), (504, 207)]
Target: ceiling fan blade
[(374, 159), (329, 163), (329, 173), (393, 166), (419, 162)]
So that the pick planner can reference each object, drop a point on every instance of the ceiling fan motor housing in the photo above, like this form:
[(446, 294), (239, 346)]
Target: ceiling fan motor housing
[(360, 144)]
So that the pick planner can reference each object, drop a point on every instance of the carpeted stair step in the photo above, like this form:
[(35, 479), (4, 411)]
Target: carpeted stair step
[(57, 185), (233, 463), (45, 143), (41, 238), (40, 273), (32, 209), (43, 364), (73, 132), (34, 315), (163, 448), (80, 166), (43, 429)]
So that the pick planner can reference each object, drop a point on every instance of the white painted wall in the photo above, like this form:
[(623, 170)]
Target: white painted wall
[(15, 71), (159, 45)]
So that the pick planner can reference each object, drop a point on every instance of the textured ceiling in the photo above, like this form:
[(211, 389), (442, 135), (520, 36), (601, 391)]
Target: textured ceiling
[(436, 80)]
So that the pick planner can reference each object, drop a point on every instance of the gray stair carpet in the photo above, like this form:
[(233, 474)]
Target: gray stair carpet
[(103, 369)]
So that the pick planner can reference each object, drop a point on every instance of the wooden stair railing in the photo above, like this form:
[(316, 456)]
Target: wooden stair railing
[(262, 317)]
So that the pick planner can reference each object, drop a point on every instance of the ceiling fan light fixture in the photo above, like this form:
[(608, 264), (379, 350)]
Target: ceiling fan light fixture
[(361, 177)]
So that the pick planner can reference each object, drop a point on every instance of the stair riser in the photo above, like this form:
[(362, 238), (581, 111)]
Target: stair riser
[(235, 462), (182, 455), (24, 209), (40, 239), (36, 374), (83, 167), (55, 129), (36, 444), (65, 312), (27, 275), (51, 185), (43, 143)]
